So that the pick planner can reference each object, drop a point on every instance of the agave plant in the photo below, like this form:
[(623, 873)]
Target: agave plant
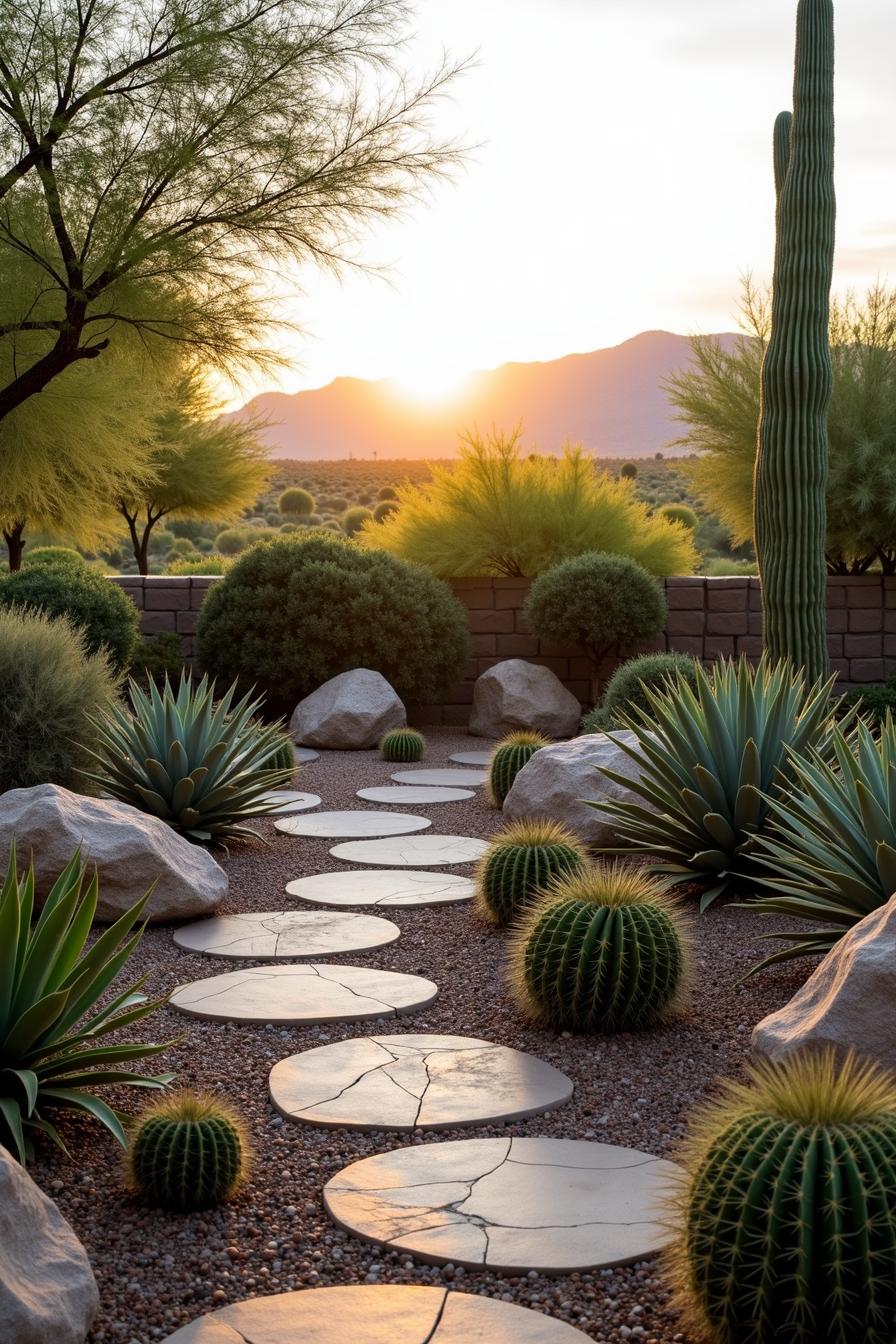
[(712, 753), (203, 766), (51, 1024), (831, 840)]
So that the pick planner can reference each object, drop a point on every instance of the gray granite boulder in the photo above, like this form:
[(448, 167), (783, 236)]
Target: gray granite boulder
[(849, 1001), (557, 780), (348, 713), (48, 1294), (131, 851), (516, 694)]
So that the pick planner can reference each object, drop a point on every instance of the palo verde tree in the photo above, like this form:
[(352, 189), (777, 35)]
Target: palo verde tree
[(159, 157), (791, 463), (204, 466)]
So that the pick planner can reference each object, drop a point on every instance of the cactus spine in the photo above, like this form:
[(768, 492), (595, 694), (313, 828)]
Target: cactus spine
[(507, 761), (788, 1208), (188, 1153), (402, 745), (791, 463), (520, 864)]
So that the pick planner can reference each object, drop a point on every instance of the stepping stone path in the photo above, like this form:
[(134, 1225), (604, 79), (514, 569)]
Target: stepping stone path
[(413, 1083), (376, 1314), (292, 801), (415, 796), (434, 850), (471, 757), (304, 755), (387, 889), (303, 995), (286, 933), (336, 825), (555, 1206), (448, 779)]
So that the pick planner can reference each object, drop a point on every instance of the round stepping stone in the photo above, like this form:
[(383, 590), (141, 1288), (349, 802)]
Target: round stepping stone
[(414, 796), (312, 993), (339, 825), (471, 757), (433, 850), (286, 933), (556, 1206), (291, 801), (305, 754), (441, 778), (376, 1314), (382, 888), (413, 1083)]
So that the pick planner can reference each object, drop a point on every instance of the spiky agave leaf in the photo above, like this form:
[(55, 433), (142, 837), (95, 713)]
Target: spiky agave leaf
[(201, 765), (710, 755), (52, 1018)]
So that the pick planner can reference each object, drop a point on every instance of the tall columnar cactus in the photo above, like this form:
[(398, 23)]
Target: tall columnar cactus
[(508, 759), (791, 464), (188, 1152)]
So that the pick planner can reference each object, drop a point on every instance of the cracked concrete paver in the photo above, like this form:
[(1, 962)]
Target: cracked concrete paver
[(394, 888), (429, 849), (343, 825), (286, 933)]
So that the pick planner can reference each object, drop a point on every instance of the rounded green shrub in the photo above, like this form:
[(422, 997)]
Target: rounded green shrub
[(354, 519), (161, 540), (200, 564), (508, 759), (628, 471), (51, 556), (296, 501), (604, 950), (107, 616), (158, 656), (520, 864), (295, 611), (232, 540), (625, 691), (596, 600), (384, 508), (181, 546), (680, 513), (387, 492), (787, 1230), (51, 685), (188, 1152), (402, 744)]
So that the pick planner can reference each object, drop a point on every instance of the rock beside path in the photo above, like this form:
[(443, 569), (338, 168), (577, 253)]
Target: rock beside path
[(131, 851), (516, 694), (558, 780), (48, 1294), (849, 1001), (348, 713)]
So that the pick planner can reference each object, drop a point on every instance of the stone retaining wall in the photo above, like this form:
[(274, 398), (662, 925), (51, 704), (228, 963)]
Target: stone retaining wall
[(709, 618)]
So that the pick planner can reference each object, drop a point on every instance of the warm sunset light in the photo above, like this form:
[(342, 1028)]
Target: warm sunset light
[(431, 384)]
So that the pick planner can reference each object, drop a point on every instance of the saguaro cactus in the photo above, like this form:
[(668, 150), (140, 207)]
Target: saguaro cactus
[(791, 464)]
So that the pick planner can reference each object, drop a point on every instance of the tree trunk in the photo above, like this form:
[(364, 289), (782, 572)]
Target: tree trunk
[(15, 545)]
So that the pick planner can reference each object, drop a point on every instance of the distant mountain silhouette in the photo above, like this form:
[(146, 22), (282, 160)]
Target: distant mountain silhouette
[(609, 400)]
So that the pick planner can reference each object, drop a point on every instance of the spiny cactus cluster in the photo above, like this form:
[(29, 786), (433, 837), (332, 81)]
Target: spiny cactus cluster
[(402, 745), (189, 1152), (283, 756), (508, 759), (520, 863), (788, 1208), (604, 950)]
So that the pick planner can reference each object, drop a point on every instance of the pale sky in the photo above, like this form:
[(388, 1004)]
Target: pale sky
[(623, 183)]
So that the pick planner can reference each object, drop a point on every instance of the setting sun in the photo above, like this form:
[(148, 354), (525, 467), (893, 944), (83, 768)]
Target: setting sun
[(432, 384)]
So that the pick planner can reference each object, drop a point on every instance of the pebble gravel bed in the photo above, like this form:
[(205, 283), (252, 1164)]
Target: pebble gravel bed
[(156, 1271)]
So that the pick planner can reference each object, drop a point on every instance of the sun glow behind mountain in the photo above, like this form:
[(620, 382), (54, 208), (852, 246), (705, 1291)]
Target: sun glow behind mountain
[(431, 384)]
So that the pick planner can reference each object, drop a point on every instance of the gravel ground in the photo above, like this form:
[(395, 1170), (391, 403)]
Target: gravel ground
[(156, 1272)]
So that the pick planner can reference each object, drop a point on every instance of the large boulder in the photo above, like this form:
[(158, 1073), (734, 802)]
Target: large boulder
[(557, 779), (849, 1001), (348, 713), (516, 694), (131, 851), (48, 1294)]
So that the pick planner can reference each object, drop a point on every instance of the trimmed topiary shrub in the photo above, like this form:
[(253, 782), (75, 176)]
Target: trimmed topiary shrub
[(402, 744), (51, 556), (296, 501), (508, 759), (680, 513), (295, 611), (188, 1152), (200, 564), (387, 492), (521, 862), (627, 688), (786, 1226), (50, 687), (598, 601), (604, 950), (354, 519), (107, 616), (384, 508)]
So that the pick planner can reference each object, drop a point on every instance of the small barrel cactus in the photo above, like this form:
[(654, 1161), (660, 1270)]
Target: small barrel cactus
[(188, 1152), (605, 950), (788, 1207), (508, 759), (402, 745), (283, 757), (520, 864)]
